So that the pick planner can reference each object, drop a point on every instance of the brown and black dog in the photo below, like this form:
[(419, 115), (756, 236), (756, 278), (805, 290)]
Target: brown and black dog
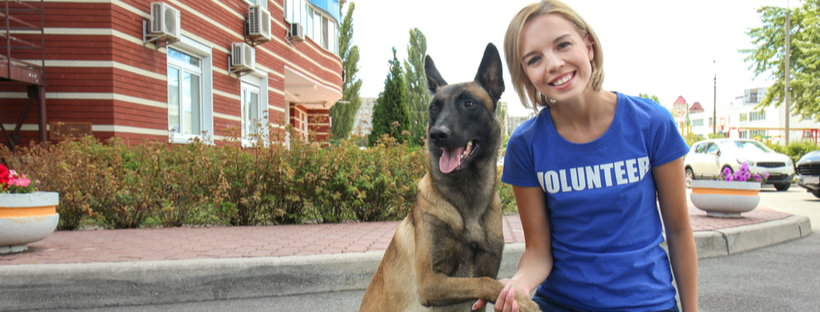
[(447, 251)]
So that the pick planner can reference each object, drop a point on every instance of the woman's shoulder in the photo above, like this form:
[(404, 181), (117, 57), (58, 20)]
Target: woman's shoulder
[(526, 131), (644, 106)]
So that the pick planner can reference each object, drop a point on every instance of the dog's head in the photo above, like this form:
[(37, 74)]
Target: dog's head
[(462, 128)]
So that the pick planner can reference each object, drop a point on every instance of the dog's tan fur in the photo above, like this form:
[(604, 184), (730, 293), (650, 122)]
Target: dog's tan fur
[(446, 253)]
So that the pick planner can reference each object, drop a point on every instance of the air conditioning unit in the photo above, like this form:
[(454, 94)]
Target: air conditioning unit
[(259, 23), (165, 21), (243, 57), (297, 32)]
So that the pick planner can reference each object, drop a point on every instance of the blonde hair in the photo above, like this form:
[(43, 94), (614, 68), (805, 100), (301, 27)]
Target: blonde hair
[(512, 43)]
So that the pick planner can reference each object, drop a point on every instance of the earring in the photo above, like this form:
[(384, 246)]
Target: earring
[(552, 100)]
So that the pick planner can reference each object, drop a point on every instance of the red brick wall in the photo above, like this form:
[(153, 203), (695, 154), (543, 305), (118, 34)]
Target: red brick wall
[(95, 92)]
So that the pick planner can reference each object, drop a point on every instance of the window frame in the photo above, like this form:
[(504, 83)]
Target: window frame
[(205, 54), (257, 79)]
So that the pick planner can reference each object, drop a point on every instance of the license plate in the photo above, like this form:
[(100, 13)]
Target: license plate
[(811, 180)]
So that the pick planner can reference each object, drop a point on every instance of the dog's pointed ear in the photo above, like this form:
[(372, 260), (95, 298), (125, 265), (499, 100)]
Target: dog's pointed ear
[(434, 80), (490, 74)]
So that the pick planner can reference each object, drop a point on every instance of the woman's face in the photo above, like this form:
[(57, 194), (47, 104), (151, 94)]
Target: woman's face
[(555, 57)]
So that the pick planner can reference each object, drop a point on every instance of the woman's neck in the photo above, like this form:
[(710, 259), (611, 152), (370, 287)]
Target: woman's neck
[(586, 117)]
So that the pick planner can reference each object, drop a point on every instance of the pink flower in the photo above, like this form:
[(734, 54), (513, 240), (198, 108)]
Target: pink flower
[(757, 177), (21, 181)]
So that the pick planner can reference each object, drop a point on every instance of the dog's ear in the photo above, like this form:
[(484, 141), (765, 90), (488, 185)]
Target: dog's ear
[(434, 80), (490, 74)]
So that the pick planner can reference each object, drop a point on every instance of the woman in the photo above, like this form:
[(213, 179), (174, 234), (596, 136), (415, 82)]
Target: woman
[(585, 172)]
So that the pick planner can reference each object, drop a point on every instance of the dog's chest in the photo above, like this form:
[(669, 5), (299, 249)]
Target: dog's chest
[(471, 251)]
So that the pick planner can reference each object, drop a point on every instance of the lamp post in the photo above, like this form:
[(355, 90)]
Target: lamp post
[(714, 105), (788, 69)]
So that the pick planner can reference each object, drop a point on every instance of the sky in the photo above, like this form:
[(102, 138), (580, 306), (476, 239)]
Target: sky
[(660, 47)]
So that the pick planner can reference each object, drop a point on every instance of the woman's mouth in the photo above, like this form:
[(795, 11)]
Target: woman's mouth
[(560, 81)]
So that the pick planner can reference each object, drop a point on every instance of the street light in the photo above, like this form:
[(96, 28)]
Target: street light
[(714, 104)]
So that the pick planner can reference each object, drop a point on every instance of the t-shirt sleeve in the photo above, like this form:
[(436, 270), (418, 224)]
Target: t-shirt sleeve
[(667, 143), (519, 165)]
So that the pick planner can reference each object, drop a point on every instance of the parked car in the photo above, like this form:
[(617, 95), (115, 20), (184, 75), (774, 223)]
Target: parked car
[(808, 172), (706, 160)]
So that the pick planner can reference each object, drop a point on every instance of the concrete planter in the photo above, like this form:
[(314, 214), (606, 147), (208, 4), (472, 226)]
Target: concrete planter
[(26, 218), (725, 199)]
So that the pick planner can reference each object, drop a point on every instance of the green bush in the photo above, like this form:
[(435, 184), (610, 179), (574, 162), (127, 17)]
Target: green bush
[(794, 150)]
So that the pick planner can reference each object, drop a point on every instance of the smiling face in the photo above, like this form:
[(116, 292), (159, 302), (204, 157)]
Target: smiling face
[(555, 57)]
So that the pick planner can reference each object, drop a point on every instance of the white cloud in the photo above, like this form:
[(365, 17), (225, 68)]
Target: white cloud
[(665, 48)]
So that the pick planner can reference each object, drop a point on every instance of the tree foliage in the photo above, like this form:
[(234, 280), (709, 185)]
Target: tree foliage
[(391, 107), (343, 114), (418, 97), (768, 56), (652, 97)]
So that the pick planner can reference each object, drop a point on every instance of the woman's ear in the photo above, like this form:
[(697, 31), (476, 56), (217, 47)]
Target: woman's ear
[(590, 47)]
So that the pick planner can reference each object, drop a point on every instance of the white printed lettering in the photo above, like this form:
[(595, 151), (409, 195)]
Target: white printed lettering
[(643, 165), (632, 171), (564, 183), (593, 177), (607, 176), (577, 176), (552, 182), (620, 172)]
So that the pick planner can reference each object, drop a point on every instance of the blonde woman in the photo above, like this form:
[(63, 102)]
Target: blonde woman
[(585, 172)]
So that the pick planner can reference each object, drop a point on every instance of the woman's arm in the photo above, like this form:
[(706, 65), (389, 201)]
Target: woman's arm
[(671, 186), (536, 261)]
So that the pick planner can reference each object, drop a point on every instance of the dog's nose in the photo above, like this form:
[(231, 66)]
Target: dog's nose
[(439, 134)]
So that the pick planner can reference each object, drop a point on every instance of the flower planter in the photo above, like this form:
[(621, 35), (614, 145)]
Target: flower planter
[(724, 199), (26, 218)]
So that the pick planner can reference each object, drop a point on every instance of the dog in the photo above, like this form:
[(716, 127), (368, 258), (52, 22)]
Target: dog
[(446, 253)]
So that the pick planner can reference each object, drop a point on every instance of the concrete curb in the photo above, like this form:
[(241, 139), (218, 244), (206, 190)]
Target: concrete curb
[(83, 286)]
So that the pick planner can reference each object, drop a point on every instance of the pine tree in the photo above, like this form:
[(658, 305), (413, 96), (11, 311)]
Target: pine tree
[(418, 97), (343, 113), (391, 106)]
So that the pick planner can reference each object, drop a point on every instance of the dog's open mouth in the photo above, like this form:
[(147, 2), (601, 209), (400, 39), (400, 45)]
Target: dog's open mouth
[(453, 159)]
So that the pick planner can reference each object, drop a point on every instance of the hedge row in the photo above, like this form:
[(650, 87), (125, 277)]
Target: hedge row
[(121, 185)]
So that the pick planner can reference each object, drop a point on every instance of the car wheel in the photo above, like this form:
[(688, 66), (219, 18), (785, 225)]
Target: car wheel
[(782, 186), (816, 194), (690, 175)]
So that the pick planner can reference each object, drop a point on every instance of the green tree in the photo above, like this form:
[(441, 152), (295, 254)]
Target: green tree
[(768, 56), (652, 97), (391, 106), (343, 114), (418, 97)]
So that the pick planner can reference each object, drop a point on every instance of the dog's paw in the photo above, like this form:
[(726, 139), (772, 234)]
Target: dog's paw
[(525, 304)]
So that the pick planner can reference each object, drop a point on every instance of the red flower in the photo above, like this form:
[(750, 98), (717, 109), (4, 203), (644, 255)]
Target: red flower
[(4, 177)]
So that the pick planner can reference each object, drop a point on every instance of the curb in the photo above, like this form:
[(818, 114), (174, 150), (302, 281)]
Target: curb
[(94, 285)]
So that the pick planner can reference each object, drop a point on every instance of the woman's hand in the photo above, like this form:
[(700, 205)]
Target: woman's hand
[(506, 298)]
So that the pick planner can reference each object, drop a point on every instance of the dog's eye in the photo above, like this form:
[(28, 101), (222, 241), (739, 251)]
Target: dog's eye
[(469, 104), (433, 108)]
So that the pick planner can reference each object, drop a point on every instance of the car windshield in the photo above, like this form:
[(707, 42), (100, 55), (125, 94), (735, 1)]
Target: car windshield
[(747, 146)]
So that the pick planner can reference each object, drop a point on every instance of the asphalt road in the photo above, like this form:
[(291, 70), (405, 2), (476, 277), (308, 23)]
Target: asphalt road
[(782, 277)]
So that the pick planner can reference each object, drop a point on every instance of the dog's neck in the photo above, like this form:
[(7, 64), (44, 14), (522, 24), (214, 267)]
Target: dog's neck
[(472, 191)]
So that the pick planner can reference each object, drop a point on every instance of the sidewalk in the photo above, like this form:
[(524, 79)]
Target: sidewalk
[(264, 241), (95, 268)]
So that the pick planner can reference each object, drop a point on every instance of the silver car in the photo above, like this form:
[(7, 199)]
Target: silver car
[(707, 159), (808, 172)]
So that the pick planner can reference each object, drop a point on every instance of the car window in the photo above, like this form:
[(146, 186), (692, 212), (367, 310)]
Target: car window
[(750, 147), (713, 149), (700, 148)]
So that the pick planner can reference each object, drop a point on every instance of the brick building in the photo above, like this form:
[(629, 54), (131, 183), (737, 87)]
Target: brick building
[(172, 70)]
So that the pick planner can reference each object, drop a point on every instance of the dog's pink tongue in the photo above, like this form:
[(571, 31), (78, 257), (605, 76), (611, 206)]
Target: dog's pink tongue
[(449, 159)]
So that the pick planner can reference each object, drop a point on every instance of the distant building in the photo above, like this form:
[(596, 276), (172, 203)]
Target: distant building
[(679, 107), (740, 119), (696, 108), (515, 121), (364, 117)]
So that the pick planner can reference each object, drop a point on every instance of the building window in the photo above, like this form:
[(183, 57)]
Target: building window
[(184, 93), (757, 133), (744, 134), (319, 27), (263, 3), (250, 110), (697, 122), (190, 91), (753, 96), (711, 122), (757, 116), (744, 117)]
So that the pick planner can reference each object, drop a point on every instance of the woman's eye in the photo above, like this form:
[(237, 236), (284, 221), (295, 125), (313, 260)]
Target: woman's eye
[(533, 60), (469, 104), (563, 45)]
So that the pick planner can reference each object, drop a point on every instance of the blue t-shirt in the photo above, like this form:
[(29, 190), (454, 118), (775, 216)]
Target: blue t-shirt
[(602, 208)]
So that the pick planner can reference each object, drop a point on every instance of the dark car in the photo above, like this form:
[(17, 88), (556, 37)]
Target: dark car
[(808, 172)]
